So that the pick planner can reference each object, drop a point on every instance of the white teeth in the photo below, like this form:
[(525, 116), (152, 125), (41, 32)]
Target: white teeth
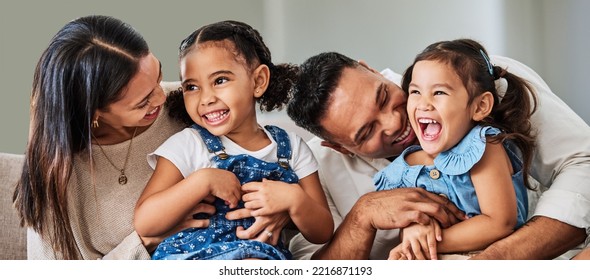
[(153, 111), (404, 134), (427, 121), (215, 115)]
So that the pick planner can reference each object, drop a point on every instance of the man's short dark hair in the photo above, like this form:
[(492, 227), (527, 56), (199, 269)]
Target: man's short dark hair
[(318, 78)]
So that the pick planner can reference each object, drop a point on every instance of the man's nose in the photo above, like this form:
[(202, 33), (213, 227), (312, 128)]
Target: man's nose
[(391, 123)]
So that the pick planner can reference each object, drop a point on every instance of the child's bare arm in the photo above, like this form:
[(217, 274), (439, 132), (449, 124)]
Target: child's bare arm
[(311, 215), (491, 177), (169, 199)]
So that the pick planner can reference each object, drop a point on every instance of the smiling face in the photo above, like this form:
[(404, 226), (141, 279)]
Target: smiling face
[(367, 115), (438, 106), (141, 99), (219, 90)]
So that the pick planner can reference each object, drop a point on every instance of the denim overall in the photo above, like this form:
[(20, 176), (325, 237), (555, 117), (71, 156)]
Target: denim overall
[(219, 241)]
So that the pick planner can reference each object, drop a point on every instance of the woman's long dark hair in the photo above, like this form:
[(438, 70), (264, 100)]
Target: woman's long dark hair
[(249, 44), (512, 115), (84, 68)]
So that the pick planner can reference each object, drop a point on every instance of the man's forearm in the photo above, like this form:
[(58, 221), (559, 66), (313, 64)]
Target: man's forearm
[(352, 240), (540, 238)]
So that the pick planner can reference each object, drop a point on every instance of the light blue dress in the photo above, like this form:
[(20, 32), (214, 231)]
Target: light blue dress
[(450, 176)]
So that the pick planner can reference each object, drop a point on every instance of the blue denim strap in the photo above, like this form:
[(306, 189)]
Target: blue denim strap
[(213, 142), (283, 144)]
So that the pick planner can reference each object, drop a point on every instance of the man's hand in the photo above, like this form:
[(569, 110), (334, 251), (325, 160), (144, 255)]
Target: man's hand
[(386, 210), (399, 208)]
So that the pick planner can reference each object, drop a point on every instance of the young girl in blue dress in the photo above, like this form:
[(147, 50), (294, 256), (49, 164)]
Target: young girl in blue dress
[(225, 69), (475, 148)]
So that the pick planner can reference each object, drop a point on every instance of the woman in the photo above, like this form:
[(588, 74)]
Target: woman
[(96, 112)]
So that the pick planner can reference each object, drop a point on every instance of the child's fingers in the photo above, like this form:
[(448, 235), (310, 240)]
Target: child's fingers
[(251, 186), (395, 254), (407, 250), (432, 247), (437, 231), (417, 250), (232, 200), (252, 205)]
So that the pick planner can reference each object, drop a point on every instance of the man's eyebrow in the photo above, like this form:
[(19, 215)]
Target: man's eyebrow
[(378, 96)]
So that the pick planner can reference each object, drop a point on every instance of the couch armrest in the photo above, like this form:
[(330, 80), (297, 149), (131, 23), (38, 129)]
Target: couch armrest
[(13, 238)]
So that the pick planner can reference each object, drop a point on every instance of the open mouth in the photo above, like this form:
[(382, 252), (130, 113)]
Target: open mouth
[(404, 134), (430, 128), (216, 116), (153, 113)]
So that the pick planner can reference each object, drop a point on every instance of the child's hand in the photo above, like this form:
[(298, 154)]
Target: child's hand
[(269, 197), (397, 253), (222, 184), (418, 242)]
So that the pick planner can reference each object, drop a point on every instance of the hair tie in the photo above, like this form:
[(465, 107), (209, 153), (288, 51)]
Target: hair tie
[(499, 72), (488, 63)]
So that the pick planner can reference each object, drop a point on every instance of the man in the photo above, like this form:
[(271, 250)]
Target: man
[(362, 116)]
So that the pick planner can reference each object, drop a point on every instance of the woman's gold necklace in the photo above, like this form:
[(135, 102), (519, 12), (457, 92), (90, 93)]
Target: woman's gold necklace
[(122, 177)]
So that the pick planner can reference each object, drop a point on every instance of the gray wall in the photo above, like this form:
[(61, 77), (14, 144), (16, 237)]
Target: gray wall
[(550, 36)]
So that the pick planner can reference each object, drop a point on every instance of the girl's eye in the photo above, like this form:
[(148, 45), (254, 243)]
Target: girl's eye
[(220, 80), (190, 87), (414, 92), (439, 92)]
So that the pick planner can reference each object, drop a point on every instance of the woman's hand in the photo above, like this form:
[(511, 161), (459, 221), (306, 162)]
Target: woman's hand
[(266, 228), (151, 242)]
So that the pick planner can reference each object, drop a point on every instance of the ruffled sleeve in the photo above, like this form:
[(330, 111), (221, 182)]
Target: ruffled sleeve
[(461, 158), (396, 174)]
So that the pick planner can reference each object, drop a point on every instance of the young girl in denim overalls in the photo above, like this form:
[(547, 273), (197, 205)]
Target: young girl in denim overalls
[(269, 175)]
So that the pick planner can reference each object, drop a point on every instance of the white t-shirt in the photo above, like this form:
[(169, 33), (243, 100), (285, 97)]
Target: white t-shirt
[(561, 164), (187, 151)]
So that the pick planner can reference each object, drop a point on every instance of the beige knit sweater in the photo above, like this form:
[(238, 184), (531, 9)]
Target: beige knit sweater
[(101, 210)]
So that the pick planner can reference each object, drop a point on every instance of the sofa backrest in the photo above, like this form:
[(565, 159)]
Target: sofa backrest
[(13, 238)]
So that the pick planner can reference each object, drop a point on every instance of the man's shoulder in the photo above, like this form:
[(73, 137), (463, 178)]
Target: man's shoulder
[(321, 152), (315, 144), (522, 70)]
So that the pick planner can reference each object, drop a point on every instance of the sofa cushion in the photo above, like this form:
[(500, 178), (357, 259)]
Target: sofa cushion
[(13, 238)]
